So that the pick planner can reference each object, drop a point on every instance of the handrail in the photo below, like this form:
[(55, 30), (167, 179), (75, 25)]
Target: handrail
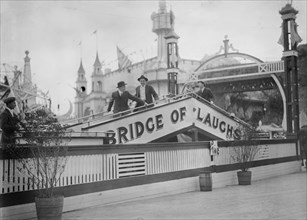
[(265, 68), (71, 134), (221, 110), (101, 115), (123, 114), (104, 118)]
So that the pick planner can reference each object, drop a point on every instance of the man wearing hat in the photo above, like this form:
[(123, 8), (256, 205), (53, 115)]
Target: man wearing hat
[(146, 92), (9, 122), (204, 92), (120, 99)]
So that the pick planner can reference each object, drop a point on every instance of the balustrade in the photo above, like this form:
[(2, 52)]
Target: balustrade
[(103, 165), (266, 151), (111, 162), (272, 67)]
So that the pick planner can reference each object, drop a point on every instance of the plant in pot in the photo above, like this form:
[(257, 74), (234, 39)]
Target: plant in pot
[(244, 152), (42, 160)]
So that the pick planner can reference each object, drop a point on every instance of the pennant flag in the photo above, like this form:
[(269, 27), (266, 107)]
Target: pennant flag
[(172, 19), (281, 38), (123, 60), (295, 38), (5, 88), (5, 85)]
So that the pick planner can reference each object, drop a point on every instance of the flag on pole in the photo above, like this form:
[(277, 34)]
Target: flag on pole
[(172, 19), (5, 88), (123, 60)]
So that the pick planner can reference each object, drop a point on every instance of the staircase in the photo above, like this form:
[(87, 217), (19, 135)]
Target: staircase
[(169, 117)]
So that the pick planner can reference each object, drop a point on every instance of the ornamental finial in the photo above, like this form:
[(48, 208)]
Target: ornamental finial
[(162, 6)]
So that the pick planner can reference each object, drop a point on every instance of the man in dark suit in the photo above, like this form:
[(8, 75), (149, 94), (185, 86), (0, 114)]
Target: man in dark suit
[(204, 92), (146, 92), (9, 122), (120, 99)]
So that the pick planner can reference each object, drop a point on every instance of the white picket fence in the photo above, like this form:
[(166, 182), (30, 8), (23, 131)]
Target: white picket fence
[(81, 169), (109, 165)]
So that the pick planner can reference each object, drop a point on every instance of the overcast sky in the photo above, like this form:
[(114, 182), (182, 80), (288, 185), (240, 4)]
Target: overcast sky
[(52, 30)]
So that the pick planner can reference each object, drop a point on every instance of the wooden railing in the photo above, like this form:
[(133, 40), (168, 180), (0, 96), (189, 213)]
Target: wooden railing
[(260, 69), (268, 149), (271, 67), (102, 163), (106, 116), (89, 164)]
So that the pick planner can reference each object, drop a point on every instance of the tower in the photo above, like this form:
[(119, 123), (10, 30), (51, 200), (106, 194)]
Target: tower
[(96, 76), (27, 76), (289, 40), (161, 26), (172, 61), (81, 88), (27, 82)]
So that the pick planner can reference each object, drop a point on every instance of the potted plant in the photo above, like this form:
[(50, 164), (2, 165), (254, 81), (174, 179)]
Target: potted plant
[(244, 151), (42, 159)]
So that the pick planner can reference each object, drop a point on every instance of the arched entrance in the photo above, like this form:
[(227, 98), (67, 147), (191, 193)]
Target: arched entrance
[(231, 73)]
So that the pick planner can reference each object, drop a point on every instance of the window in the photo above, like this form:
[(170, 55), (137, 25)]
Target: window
[(99, 86)]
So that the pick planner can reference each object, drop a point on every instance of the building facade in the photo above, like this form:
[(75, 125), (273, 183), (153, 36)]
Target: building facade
[(93, 97), (103, 82)]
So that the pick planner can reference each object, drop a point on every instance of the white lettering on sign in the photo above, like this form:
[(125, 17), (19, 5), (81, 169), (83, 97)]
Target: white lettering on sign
[(214, 122), (124, 134), (171, 120)]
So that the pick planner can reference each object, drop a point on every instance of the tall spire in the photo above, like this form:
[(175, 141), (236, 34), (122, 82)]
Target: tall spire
[(97, 65), (81, 69), (27, 76), (162, 6), (97, 61)]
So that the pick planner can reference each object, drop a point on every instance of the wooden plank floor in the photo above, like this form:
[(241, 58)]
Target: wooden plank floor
[(282, 197)]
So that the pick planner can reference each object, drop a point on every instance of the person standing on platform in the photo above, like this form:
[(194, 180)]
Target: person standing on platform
[(146, 92), (120, 99), (204, 92), (9, 123)]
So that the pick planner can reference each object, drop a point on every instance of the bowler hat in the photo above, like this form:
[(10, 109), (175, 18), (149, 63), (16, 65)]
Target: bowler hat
[(120, 84), (142, 77), (9, 100)]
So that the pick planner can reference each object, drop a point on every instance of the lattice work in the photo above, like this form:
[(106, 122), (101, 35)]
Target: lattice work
[(273, 67)]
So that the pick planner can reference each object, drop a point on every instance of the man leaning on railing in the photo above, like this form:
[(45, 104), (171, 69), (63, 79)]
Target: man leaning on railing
[(145, 92), (120, 100), (204, 92)]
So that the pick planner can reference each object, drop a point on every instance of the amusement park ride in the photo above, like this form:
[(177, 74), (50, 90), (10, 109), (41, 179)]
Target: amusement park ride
[(17, 83), (130, 155), (184, 116)]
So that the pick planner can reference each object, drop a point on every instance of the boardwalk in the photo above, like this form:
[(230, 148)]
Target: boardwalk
[(282, 197)]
